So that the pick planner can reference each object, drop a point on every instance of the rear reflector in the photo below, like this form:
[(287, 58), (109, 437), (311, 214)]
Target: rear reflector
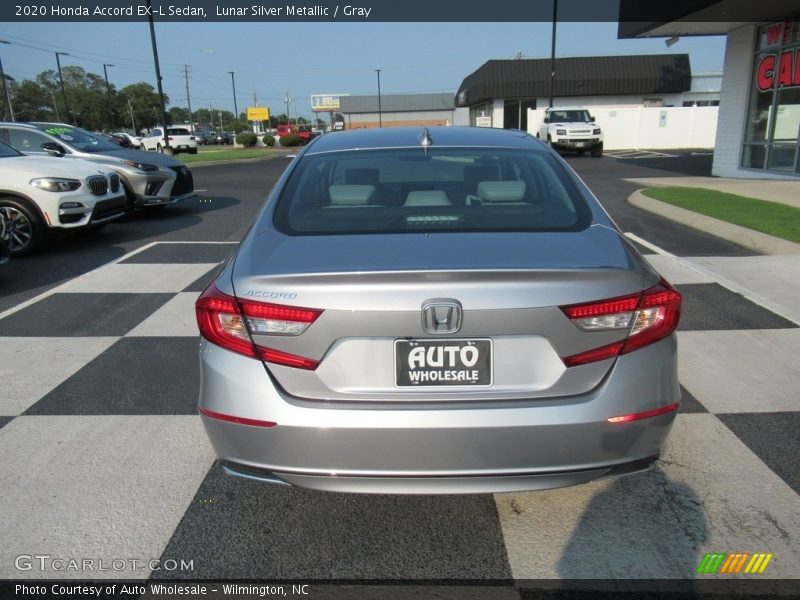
[(228, 322), (643, 415), (648, 317), (237, 420)]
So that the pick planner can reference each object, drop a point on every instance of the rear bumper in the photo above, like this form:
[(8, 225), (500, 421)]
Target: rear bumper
[(443, 448)]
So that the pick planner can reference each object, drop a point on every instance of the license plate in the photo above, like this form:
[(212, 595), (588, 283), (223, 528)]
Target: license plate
[(579, 144), (443, 362)]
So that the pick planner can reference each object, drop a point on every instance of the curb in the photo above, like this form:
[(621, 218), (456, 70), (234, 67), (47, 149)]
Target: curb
[(755, 240), (232, 161)]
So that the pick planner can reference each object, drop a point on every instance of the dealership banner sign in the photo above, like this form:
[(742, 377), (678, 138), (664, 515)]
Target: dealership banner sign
[(779, 69)]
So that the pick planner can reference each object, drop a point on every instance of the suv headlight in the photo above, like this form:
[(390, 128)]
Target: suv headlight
[(56, 184), (139, 165), (561, 132), (596, 131)]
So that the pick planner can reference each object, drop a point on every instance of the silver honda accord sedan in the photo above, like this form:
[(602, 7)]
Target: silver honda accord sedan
[(424, 311)]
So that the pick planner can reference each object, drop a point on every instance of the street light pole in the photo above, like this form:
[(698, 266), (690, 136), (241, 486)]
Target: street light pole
[(188, 98), (63, 91), (553, 53), (5, 87), (158, 74), (108, 91), (235, 106), (380, 119)]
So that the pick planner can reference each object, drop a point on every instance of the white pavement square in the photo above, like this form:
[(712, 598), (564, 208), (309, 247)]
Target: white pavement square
[(138, 278), (675, 270), (99, 487), (658, 524), (741, 371), (175, 319), (30, 367), (776, 277)]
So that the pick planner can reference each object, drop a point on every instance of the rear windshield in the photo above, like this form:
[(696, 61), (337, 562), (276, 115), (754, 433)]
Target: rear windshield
[(447, 189), (177, 131)]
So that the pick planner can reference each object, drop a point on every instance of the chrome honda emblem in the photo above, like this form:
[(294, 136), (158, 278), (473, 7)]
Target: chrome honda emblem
[(441, 316)]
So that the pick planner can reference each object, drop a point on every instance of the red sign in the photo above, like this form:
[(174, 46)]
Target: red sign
[(785, 71)]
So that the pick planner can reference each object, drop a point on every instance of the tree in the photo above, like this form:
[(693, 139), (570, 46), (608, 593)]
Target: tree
[(179, 115), (31, 102), (87, 96), (145, 104)]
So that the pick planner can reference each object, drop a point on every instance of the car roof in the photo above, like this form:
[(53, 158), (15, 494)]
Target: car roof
[(572, 107), (409, 137)]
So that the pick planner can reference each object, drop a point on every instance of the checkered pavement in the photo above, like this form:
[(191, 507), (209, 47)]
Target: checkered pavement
[(104, 456)]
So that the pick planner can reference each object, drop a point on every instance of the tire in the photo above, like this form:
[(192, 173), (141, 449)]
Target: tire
[(597, 151), (130, 202), (26, 234), (192, 150), (158, 148)]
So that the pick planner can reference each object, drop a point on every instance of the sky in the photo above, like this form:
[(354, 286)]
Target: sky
[(273, 59)]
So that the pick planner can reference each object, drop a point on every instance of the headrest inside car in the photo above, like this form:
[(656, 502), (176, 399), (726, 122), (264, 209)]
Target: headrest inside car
[(501, 191), (350, 195), (427, 198)]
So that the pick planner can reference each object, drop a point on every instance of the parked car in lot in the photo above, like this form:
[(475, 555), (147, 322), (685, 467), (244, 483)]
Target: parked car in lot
[(283, 130), (201, 137), (222, 138), (5, 254), (147, 179), (305, 133), (571, 128), (444, 311), (180, 140), (40, 195), (126, 140)]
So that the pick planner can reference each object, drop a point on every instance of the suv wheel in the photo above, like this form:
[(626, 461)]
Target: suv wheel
[(158, 148), (24, 230), (597, 151)]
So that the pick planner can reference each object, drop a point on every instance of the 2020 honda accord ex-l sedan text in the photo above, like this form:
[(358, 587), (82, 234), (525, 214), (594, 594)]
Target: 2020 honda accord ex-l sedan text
[(443, 311)]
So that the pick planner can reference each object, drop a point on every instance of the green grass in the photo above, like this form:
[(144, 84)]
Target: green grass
[(773, 218), (214, 154)]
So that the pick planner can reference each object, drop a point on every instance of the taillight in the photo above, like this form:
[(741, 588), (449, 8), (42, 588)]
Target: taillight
[(648, 317), (228, 322)]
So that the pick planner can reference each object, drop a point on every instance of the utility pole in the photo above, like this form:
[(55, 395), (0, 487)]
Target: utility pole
[(553, 54), (286, 100), (5, 87), (108, 91), (63, 91), (235, 107), (133, 123), (55, 105), (380, 121), (188, 99), (158, 73)]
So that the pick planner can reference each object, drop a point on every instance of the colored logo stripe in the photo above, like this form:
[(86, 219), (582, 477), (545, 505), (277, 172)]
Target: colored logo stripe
[(734, 563), (758, 563)]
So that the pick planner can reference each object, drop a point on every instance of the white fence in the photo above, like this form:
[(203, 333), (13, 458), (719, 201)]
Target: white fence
[(650, 128)]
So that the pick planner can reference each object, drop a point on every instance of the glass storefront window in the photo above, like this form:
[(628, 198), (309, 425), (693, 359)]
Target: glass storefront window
[(772, 131)]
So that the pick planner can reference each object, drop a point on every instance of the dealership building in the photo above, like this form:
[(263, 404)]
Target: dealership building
[(398, 110), (759, 110), (501, 93)]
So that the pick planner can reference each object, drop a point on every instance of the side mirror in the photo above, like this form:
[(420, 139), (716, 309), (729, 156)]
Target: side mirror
[(591, 118), (53, 148)]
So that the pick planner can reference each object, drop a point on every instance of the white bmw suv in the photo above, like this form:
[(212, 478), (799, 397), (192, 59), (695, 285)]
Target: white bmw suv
[(40, 195)]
